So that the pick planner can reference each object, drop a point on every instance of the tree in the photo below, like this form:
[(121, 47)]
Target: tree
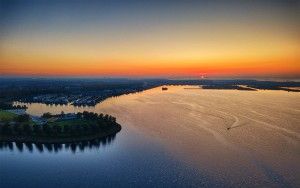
[(27, 129), (77, 129), (23, 118), (79, 115), (66, 129), (47, 129), (47, 115), (94, 127), (36, 128), (62, 114), (18, 128), (73, 130), (6, 129), (113, 119), (106, 117), (85, 114), (57, 129)]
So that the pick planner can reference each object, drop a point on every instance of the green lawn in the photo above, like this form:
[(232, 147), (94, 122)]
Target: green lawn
[(7, 116)]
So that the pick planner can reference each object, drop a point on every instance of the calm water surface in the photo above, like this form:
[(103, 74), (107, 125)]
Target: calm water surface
[(171, 138), (128, 159)]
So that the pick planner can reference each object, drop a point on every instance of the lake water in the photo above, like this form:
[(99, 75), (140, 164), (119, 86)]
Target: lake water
[(179, 137)]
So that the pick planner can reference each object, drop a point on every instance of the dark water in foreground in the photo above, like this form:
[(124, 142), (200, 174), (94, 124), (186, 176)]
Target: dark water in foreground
[(127, 159)]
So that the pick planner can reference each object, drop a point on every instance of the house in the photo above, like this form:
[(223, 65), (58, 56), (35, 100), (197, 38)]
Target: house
[(68, 116)]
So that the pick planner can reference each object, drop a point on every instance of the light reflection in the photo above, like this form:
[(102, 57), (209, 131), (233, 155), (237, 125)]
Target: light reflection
[(73, 147)]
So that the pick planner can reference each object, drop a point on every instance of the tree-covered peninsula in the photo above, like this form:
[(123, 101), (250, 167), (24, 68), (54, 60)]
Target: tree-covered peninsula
[(61, 128)]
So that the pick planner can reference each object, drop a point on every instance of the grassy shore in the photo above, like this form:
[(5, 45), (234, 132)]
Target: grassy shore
[(7, 116)]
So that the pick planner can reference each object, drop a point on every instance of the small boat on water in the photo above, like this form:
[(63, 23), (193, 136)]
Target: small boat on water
[(164, 88)]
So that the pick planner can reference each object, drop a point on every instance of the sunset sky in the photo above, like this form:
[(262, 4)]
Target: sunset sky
[(150, 38)]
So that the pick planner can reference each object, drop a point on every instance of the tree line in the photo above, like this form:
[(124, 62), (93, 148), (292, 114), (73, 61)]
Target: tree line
[(86, 123)]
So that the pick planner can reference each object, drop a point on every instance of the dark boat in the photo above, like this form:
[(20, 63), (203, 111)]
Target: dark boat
[(164, 88)]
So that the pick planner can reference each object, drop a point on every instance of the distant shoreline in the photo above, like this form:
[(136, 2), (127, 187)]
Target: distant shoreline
[(90, 92)]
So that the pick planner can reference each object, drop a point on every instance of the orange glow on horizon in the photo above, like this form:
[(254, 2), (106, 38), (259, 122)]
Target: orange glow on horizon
[(285, 66), (230, 60)]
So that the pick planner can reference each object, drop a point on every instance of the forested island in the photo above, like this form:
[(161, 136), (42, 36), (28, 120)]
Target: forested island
[(61, 128)]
